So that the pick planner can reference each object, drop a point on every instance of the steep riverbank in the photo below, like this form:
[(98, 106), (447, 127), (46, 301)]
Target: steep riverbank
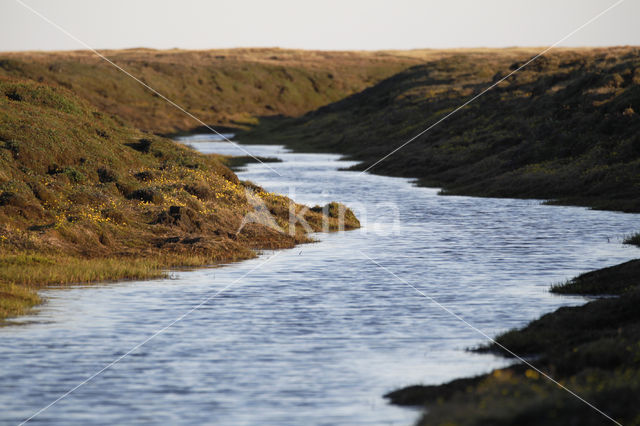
[(84, 198)]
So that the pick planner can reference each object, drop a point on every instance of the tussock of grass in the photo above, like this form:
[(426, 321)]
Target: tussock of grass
[(633, 239), (16, 300), (614, 280)]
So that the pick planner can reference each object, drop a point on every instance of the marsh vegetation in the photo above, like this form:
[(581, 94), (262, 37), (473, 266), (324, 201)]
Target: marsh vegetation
[(91, 191), (565, 127), (85, 198)]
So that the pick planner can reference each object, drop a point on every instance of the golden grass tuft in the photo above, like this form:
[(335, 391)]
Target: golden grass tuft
[(16, 300)]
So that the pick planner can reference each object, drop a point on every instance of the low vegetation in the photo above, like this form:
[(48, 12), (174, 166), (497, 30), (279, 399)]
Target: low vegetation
[(221, 87), (565, 127), (633, 239), (591, 349), (85, 198)]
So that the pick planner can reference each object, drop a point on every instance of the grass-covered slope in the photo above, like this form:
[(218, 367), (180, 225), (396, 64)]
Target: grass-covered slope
[(565, 127), (592, 349), (84, 198), (221, 87)]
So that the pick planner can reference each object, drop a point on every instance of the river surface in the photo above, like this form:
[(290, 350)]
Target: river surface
[(316, 334)]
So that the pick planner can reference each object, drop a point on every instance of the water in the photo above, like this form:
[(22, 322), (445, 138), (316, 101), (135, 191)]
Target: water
[(317, 333)]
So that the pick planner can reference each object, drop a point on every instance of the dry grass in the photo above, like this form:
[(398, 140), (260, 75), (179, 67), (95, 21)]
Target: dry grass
[(23, 273), (37, 270), (16, 300), (229, 87), (224, 87)]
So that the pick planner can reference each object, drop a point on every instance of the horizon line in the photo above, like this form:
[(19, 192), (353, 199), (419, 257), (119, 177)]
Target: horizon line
[(412, 49)]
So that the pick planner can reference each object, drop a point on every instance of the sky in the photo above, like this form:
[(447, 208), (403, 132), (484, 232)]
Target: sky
[(325, 25)]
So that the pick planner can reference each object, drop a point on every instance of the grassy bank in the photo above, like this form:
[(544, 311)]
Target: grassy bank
[(563, 128), (592, 349), (566, 127), (228, 88), (85, 198)]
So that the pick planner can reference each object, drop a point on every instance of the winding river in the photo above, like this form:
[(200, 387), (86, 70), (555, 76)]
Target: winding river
[(316, 334)]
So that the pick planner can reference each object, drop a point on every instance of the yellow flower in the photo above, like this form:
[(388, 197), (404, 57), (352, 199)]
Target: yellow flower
[(531, 374)]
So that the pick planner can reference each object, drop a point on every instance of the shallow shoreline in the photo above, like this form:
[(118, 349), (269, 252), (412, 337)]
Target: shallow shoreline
[(87, 223), (42, 270)]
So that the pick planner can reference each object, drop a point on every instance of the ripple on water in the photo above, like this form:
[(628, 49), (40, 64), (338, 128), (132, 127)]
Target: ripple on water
[(319, 333)]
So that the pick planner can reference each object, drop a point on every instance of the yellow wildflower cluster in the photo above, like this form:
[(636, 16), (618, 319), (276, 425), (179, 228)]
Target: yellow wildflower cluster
[(174, 201), (228, 190), (93, 215), (176, 177), (531, 374), (61, 218), (274, 198)]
